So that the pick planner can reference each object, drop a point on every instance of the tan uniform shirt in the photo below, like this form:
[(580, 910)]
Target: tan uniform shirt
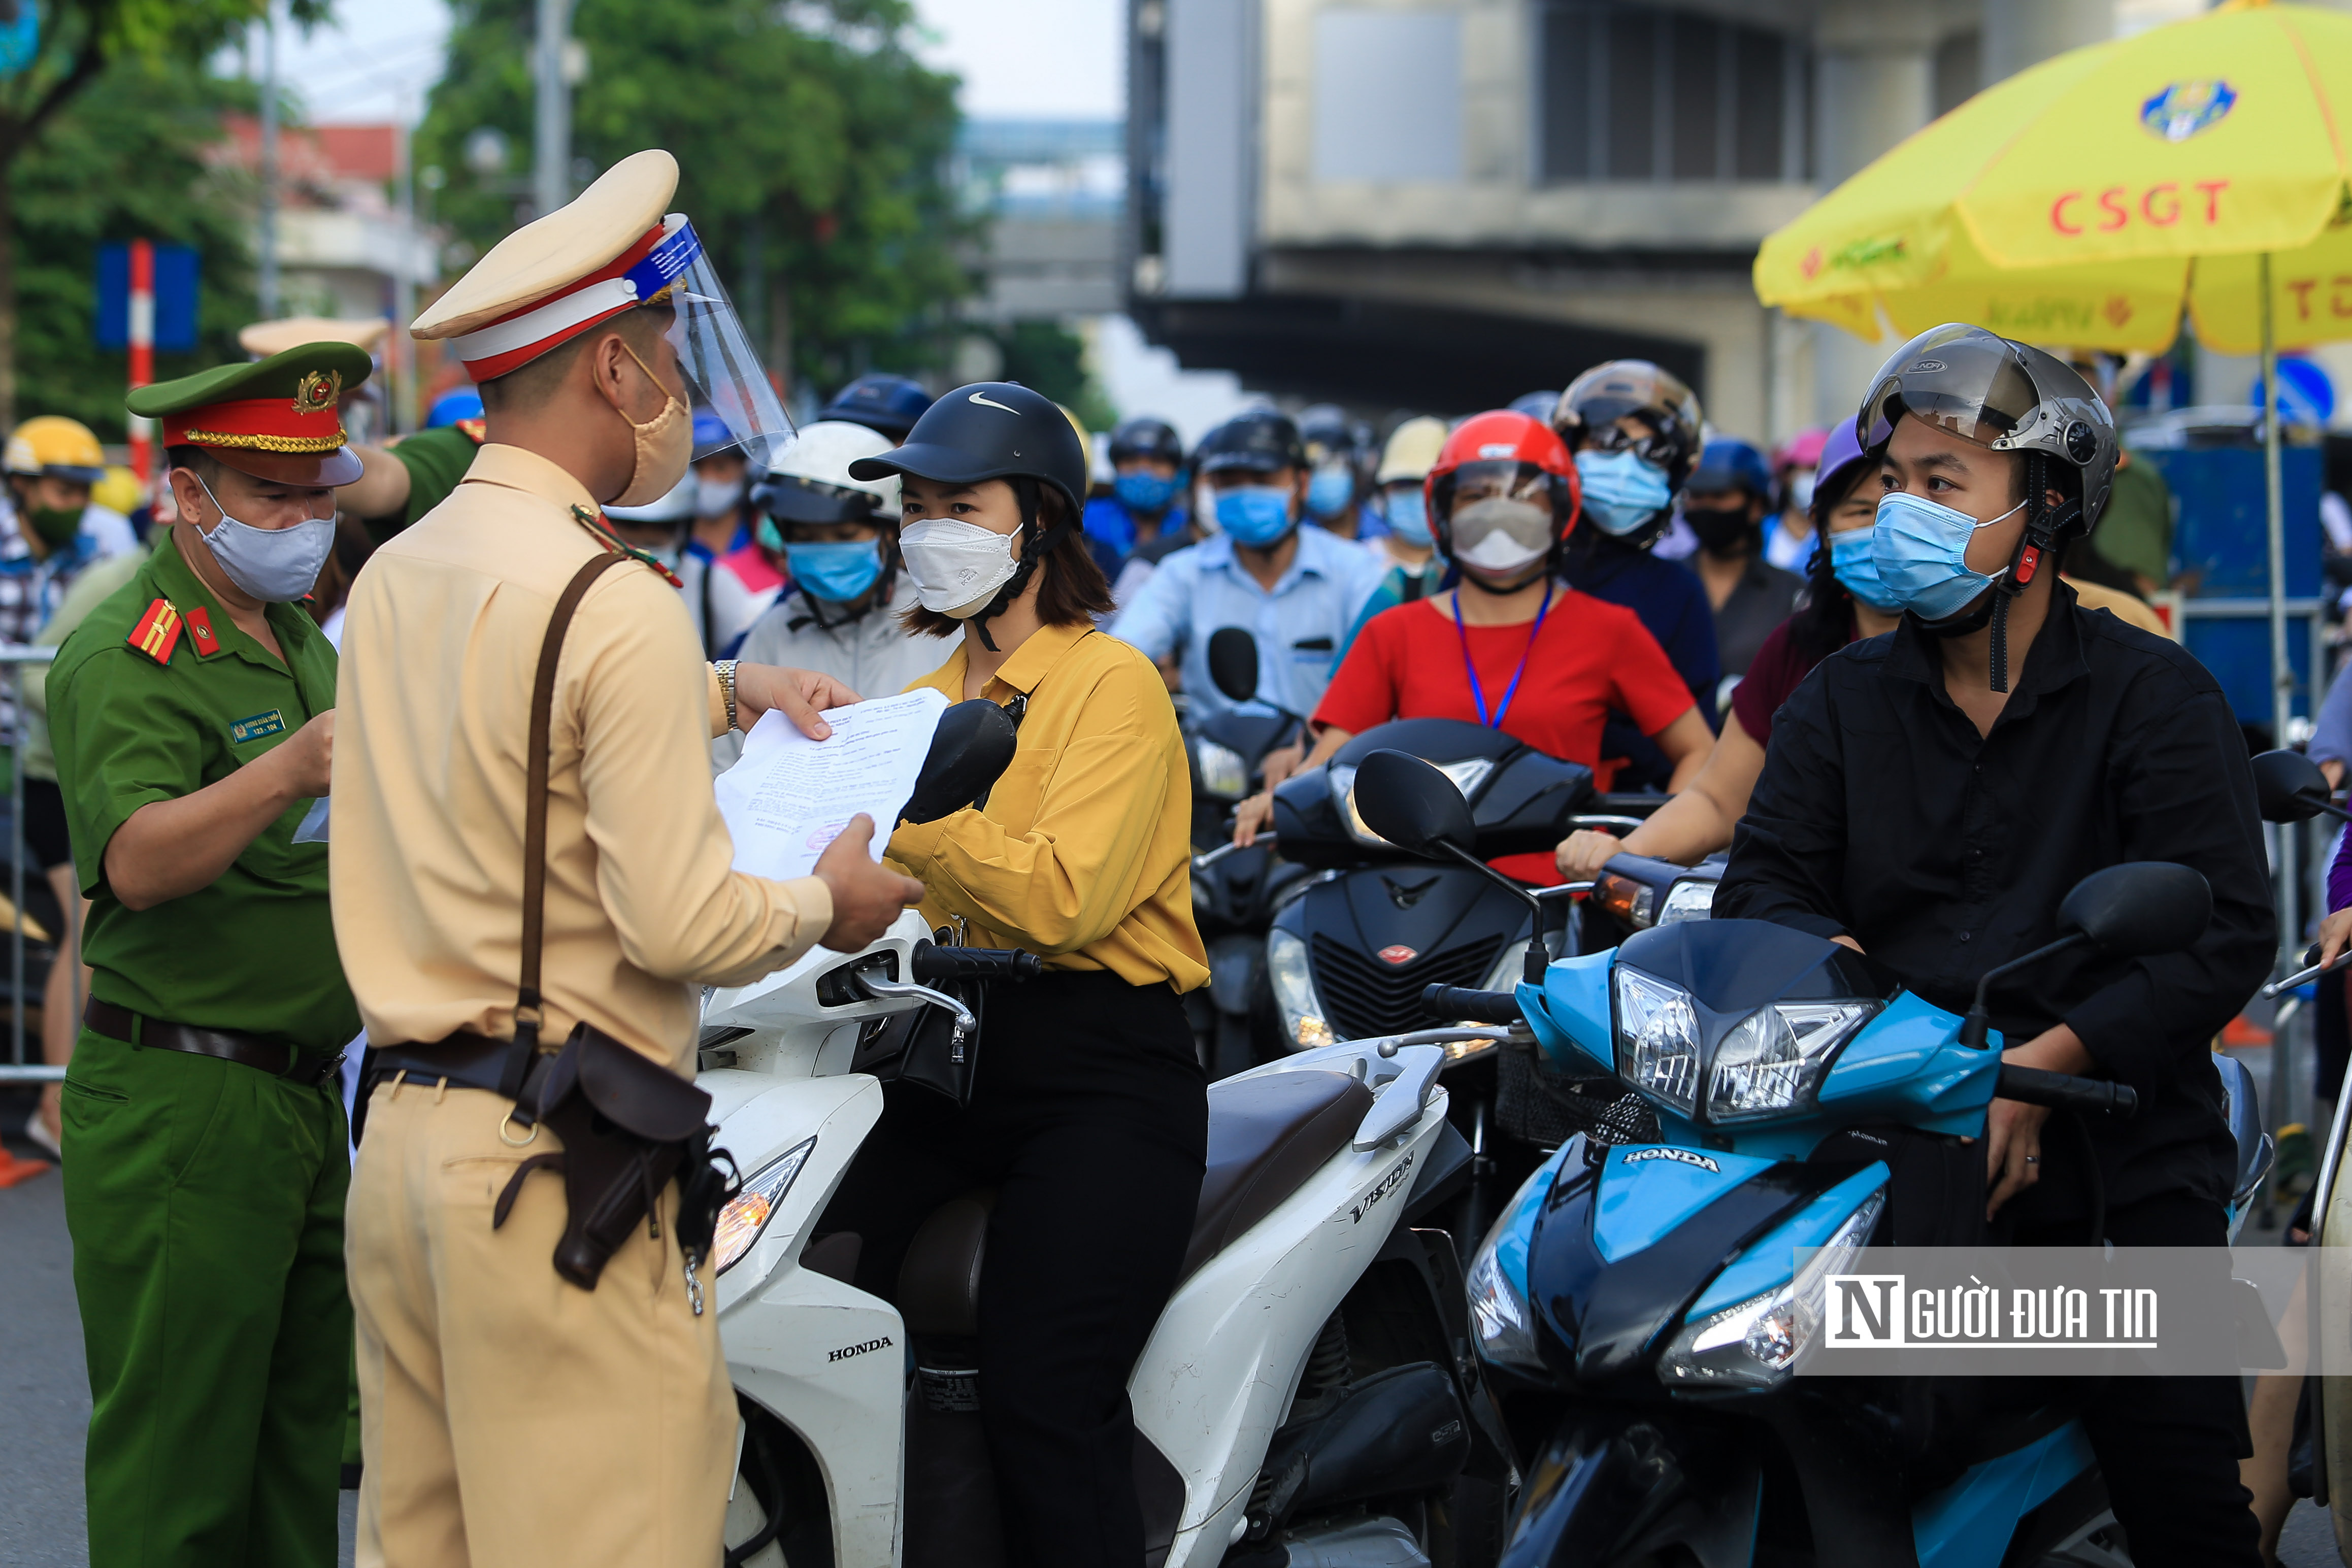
[(439, 650)]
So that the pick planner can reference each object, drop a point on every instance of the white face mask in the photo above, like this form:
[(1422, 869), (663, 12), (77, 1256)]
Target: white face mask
[(714, 497), (277, 566), (957, 567)]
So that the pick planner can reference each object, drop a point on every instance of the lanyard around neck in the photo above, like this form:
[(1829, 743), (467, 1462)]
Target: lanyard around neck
[(1470, 667)]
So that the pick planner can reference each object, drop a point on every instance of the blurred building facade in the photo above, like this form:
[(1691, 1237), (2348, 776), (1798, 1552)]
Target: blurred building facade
[(344, 247), (1447, 202)]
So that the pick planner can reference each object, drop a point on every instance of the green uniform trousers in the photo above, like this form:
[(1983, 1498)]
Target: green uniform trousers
[(205, 1200)]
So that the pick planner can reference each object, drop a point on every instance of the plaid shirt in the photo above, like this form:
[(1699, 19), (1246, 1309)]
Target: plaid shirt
[(30, 591)]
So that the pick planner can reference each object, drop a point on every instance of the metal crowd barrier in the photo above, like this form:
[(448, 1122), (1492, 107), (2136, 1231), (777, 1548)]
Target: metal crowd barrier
[(16, 1068)]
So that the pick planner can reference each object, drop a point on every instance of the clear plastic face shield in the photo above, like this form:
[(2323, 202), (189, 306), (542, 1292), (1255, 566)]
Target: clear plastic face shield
[(714, 353), (1501, 481)]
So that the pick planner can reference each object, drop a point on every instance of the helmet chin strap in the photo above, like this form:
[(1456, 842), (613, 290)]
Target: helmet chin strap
[(1031, 554), (2042, 522)]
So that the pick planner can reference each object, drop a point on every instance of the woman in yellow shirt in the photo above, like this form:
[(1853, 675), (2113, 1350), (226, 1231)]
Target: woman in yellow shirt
[(1089, 1110)]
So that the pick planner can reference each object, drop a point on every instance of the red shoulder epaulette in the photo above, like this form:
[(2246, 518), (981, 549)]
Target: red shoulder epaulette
[(475, 430), (158, 631)]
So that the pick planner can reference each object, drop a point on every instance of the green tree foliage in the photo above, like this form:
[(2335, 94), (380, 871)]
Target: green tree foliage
[(122, 162), (1051, 358), (812, 149), (82, 41)]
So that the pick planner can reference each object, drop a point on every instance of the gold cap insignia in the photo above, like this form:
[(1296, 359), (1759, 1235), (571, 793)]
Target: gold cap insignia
[(318, 391)]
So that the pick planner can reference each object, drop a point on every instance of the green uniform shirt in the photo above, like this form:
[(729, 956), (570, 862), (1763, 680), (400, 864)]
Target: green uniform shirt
[(436, 461), (2135, 532), (255, 950)]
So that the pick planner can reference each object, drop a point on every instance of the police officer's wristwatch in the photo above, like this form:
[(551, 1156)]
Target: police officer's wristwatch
[(725, 670)]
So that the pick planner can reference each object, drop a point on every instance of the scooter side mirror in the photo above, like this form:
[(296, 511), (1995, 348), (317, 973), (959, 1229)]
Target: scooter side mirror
[(1412, 805), (970, 751), (2289, 786), (2140, 908), (1233, 663)]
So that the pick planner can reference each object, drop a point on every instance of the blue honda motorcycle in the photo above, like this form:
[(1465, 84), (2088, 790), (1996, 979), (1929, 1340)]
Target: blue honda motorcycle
[(1639, 1307)]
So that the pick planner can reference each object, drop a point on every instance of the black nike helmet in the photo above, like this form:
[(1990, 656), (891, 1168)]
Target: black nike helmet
[(998, 430)]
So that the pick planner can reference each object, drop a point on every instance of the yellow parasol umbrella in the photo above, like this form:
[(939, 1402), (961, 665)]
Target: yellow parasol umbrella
[(2092, 198)]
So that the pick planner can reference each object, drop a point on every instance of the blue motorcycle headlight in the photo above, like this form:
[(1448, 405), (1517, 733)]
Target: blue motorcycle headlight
[(1657, 1040), (1772, 1060), (1500, 1314)]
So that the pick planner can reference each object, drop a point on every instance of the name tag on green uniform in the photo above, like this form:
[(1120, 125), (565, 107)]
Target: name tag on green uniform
[(255, 729)]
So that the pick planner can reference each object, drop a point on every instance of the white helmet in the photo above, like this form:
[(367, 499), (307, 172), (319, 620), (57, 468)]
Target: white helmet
[(810, 482)]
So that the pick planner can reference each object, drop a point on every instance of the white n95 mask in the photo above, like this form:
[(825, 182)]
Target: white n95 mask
[(957, 567)]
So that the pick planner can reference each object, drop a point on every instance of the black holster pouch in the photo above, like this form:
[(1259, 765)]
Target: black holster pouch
[(628, 1126)]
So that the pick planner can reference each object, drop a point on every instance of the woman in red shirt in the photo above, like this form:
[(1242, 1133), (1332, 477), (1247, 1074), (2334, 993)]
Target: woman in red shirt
[(1512, 646), (1836, 610)]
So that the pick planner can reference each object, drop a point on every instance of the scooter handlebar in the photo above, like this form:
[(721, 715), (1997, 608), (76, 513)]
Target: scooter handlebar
[(932, 964), (2064, 1090), (1461, 1002)]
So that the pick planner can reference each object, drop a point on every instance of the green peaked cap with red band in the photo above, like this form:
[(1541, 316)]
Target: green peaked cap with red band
[(276, 419)]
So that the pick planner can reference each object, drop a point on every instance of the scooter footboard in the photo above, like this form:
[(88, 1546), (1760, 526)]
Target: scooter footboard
[(1618, 1483)]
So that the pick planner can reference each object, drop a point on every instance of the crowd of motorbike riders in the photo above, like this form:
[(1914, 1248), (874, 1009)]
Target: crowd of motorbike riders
[(1874, 667)]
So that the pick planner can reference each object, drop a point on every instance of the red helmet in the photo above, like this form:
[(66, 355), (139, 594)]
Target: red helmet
[(1504, 453)]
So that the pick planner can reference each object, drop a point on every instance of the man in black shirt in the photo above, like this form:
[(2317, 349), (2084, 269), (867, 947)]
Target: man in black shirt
[(1919, 805)]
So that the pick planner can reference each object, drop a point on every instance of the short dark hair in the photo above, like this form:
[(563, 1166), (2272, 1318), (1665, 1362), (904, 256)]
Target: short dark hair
[(196, 460), (1075, 591), (530, 385)]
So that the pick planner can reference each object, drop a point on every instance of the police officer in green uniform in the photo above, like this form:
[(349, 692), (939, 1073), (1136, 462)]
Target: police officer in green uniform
[(205, 1162)]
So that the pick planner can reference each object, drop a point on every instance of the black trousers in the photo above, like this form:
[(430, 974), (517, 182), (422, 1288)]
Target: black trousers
[(2170, 1447), (1090, 1117)]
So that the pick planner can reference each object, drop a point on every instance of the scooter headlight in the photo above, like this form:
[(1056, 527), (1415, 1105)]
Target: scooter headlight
[(1773, 1058), (1293, 991), (1500, 1313), (746, 1214), (1657, 1040), (1223, 774), (1691, 898), (1758, 1344)]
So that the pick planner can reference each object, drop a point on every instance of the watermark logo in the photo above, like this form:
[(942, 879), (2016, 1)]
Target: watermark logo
[(1883, 1312)]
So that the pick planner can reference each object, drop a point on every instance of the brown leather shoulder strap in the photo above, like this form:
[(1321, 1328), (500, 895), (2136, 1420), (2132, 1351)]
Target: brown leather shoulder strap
[(534, 820)]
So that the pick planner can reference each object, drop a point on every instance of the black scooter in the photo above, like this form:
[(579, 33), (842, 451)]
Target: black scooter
[(1373, 927)]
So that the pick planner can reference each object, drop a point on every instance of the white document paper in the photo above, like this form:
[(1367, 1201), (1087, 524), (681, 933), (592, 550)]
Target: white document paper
[(789, 796)]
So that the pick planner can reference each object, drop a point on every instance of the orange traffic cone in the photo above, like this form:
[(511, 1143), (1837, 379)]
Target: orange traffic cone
[(13, 1170)]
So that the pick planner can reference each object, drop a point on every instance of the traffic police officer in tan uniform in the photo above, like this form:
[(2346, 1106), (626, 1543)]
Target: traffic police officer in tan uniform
[(192, 715), (511, 1417)]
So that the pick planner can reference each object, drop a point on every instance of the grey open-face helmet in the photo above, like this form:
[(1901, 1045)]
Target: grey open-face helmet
[(2009, 396)]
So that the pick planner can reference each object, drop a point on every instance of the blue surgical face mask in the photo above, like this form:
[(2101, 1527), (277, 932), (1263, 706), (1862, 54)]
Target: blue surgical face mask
[(1330, 490), (836, 573), (1408, 515), (1143, 491), (1853, 563), (1921, 551), (1255, 515), (1622, 491)]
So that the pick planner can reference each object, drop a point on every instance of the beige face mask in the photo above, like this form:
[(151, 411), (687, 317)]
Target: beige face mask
[(665, 444)]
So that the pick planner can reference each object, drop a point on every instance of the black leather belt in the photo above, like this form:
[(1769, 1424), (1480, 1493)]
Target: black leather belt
[(275, 1057), (467, 1060)]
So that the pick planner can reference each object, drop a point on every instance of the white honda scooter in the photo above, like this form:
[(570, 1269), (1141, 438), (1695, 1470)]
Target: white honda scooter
[(1306, 1398)]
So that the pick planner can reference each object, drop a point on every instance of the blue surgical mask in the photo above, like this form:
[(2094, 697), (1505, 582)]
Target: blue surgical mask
[(1622, 491), (1144, 491), (1920, 548), (1255, 515), (1408, 515), (1853, 563), (1330, 490), (836, 573)]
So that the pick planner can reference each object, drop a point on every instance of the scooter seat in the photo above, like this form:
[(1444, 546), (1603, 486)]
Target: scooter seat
[(1266, 1135)]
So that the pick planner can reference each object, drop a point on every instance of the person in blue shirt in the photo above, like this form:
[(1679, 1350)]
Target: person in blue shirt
[(1296, 590), (1146, 493), (1635, 431)]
